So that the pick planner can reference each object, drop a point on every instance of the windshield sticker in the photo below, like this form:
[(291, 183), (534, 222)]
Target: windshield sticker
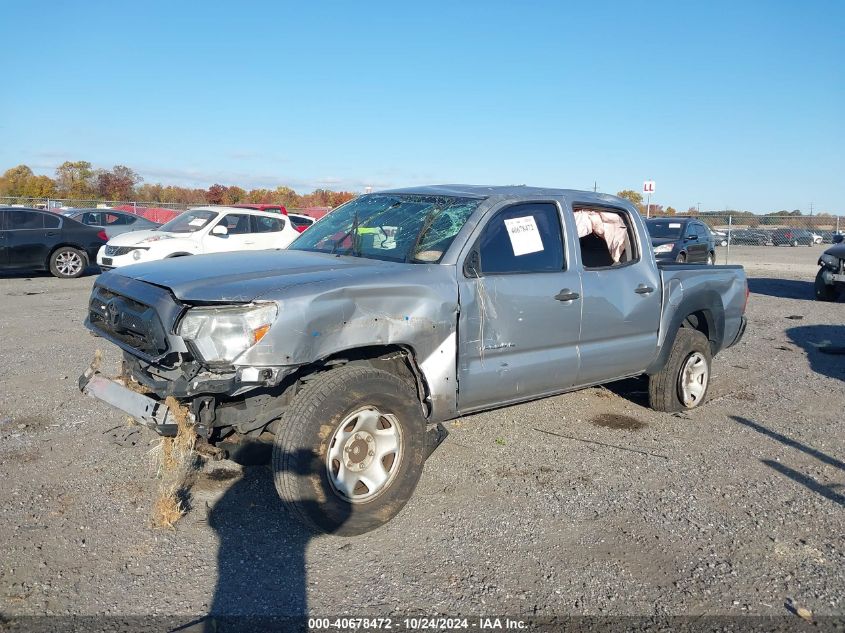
[(524, 234), (197, 222), (674, 225)]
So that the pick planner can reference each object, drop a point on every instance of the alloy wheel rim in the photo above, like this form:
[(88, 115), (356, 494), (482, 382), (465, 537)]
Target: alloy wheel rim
[(692, 381), (364, 455), (68, 263)]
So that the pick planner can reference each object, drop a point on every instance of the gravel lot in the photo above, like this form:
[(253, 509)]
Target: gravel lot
[(586, 503)]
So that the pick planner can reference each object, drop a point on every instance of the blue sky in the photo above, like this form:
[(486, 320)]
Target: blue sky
[(730, 104)]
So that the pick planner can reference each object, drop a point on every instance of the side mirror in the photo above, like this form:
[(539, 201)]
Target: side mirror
[(472, 265), (220, 230), (838, 238)]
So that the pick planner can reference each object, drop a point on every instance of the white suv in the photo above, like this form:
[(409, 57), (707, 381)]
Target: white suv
[(198, 231)]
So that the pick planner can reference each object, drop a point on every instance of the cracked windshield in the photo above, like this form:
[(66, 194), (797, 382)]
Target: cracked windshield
[(401, 228)]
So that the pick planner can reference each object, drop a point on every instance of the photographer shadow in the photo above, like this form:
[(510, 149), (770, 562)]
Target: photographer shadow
[(261, 566)]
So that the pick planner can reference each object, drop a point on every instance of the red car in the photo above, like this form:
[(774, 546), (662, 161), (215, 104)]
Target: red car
[(301, 222)]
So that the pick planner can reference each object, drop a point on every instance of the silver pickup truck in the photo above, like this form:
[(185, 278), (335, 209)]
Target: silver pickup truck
[(400, 310)]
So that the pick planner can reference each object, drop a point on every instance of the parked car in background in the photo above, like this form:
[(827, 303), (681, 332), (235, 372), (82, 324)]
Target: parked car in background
[(113, 222), (817, 239), (681, 240), (301, 222), (829, 237), (720, 237), (31, 239), (270, 208), (749, 237), (200, 230), (792, 237), (830, 280)]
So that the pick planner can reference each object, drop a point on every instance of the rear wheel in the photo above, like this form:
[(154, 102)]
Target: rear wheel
[(795, 242), (824, 292), (350, 450), (683, 381), (681, 258), (67, 262), (711, 258)]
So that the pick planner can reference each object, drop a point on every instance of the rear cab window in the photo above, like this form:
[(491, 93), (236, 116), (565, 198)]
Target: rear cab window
[(606, 236)]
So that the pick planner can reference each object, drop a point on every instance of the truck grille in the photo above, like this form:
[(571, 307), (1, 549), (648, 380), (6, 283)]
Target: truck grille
[(128, 321)]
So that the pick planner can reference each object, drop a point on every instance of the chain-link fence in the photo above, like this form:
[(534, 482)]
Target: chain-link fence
[(745, 230), (156, 211)]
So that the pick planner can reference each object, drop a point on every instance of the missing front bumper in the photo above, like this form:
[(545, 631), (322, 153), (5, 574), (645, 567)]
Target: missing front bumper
[(151, 413)]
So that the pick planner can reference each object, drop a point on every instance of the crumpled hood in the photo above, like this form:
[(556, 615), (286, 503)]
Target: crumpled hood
[(249, 275)]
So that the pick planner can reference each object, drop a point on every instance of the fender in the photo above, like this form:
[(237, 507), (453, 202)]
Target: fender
[(709, 305)]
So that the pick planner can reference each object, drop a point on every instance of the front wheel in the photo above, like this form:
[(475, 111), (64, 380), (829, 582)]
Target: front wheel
[(350, 450), (682, 258), (824, 292), (711, 258), (683, 381), (795, 242), (67, 262)]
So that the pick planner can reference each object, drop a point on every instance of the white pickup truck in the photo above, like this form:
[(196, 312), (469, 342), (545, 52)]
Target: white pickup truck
[(199, 231)]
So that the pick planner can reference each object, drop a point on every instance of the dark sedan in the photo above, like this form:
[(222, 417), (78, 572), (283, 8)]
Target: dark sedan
[(792, 237), (38, 240), (114, 222), (681, 240)]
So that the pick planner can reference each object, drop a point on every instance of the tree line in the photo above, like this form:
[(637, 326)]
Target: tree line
[(747, 218), (79, 180)]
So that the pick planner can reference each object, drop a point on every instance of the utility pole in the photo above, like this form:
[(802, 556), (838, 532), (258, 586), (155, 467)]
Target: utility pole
[(698, 204), (595, 186), (811, 209)]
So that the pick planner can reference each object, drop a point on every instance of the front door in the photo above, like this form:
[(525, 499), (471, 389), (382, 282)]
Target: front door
[(696, 242), (520, 313), (239, 237), (4, 241)]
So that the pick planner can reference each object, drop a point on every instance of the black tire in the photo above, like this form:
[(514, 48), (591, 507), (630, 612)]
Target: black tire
[(681, 258), (306, 432), (794, 242), (664, 387), (67, 262), (824, 292), (711, 258)]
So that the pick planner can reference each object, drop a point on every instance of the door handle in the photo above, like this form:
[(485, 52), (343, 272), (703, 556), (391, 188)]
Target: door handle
[(566, 295), (642, 289)]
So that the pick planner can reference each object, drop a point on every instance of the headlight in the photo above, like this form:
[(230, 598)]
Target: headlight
[(830, 260), (220, 335), (663, 248)]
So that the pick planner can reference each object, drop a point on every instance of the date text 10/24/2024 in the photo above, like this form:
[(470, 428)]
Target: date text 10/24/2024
[(416, 624)]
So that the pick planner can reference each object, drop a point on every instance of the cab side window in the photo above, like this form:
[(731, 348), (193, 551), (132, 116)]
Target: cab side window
[(523, 238)]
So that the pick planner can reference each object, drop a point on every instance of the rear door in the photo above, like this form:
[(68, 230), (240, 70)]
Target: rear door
[(520, 315), (27, 242), (621, 305), (269, 231)]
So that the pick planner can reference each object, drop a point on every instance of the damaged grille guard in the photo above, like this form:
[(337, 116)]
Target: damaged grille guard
[(148, 412)]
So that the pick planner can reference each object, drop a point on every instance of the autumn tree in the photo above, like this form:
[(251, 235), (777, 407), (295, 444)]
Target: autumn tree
[(215, 194), (20, 182), (73, 179), (117, 184)]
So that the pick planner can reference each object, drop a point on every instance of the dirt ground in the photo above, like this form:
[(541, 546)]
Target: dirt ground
[(585, 503)]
